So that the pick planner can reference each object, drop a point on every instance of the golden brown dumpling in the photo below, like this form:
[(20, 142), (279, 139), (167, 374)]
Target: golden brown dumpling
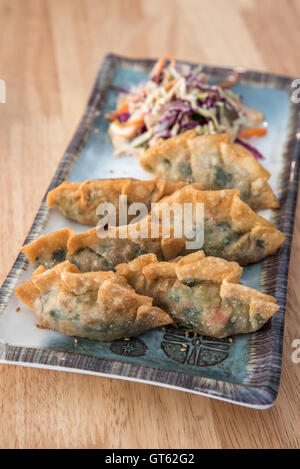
[(78, 201), (48, 250), (201, 294), (232, 230), (95, 305), (215, 163)]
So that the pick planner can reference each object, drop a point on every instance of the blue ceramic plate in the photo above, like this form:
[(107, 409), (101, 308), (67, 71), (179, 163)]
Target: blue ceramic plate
[(245, 371)]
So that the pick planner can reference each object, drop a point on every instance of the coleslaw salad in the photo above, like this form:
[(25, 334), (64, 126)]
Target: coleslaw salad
[(177, 98)]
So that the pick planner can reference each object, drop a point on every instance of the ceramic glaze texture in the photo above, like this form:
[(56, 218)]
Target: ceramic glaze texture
[(245, 370)]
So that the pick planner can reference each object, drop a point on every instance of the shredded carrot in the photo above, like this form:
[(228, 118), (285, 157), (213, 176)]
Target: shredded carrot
[(136, 123), (230, 81), (161, 63), (123, 108), (253, 132), (170, 84)]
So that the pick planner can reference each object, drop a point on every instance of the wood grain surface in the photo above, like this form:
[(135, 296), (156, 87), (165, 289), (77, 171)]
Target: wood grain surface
[(50, 51)]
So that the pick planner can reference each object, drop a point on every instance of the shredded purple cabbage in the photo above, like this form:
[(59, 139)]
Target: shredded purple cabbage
[(165, 134), (180, 105), (179, 115), (209, 102), (188, 126), (167, 121), (123, 117), (142, 130), (196, 82), (253, 150), (157, 79)]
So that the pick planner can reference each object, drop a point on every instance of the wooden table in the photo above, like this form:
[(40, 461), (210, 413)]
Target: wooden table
[(49, 55)]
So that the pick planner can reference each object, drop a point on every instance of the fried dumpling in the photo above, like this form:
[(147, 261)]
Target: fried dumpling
[(79, 200), (201, 294), (90, 252), (50, 249), (198, 293), (98, 305), (96, 250), (232, 230), (214, 162), (170, 159)]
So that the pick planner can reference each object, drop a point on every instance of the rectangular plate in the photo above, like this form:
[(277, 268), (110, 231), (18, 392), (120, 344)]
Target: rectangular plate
[(245, 371)]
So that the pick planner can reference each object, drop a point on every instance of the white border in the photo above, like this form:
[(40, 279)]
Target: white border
[(137, 380)]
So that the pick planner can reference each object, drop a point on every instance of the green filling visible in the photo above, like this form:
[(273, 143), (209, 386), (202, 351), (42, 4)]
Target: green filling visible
[(88, 260), (139, 251), (175, 296), (191, 313), (245, 195), (260, 244), (70, 210), (231, 237), (190, 282), (229, 234), (58, 256), (223, 226), (183, 325), (55, 313), (217, 236), (208, 230), (222, 178), (184, 169), (239, 315), (230, 327), (206, 293), (259, 319)]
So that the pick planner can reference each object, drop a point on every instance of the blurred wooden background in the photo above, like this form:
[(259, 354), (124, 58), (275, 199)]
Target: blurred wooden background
[(50, 51)]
